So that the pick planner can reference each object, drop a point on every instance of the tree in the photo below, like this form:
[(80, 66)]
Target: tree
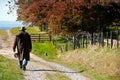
[(97, 16), (40, 12), (68, 16)]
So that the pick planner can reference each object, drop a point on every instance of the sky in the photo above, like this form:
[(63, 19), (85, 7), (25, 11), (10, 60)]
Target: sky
[(3, 12)]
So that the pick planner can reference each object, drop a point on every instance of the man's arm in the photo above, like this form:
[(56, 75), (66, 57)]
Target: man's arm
[(30, 42), (15, 44)]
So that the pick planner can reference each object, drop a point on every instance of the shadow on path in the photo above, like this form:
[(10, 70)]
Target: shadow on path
[(48, 70)]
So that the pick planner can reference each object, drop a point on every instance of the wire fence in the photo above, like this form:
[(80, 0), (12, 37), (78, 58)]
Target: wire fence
[(82, 40)]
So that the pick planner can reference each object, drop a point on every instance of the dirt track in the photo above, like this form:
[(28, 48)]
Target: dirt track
[(37, 67)]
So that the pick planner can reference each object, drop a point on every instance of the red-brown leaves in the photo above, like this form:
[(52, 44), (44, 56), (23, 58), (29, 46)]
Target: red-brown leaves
[(60, 15)]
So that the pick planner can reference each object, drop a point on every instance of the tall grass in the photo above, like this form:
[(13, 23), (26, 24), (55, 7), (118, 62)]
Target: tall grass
[(46, 50), (99, 63), (9, 70)]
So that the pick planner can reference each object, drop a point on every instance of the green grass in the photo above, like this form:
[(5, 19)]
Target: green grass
[(60, 40), (30, 30), (9, 70), (46, 49)]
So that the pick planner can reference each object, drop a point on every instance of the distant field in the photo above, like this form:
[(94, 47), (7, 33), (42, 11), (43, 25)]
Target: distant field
[(30, 30)]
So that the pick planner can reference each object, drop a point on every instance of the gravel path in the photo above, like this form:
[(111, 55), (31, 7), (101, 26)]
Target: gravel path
[(37, 67)]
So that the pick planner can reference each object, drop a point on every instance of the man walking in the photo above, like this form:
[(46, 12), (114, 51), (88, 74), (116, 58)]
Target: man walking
[(23, 45)]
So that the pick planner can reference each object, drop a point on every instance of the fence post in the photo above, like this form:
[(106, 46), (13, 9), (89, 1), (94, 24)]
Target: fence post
[(86, 41), (111, 39), (107, 38), (39, 37), (62, 49), (102, 39), (67, 46), (82, 41), (99, 38), (117, 39), (50, 37), (74, 42), (92, 38)]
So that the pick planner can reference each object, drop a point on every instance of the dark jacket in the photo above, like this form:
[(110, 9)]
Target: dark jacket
[(23, 44)]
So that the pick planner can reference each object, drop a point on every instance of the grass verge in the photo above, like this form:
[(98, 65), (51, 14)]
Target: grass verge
[(96, 63), (46, 50), (9, 70)]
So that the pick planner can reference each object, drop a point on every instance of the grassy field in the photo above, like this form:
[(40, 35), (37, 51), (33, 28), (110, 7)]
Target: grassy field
[(9, 70), (46, 50), (94, 62), (97, 63)]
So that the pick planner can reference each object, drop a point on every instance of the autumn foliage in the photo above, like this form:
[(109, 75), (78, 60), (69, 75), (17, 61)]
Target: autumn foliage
[(69, 16)]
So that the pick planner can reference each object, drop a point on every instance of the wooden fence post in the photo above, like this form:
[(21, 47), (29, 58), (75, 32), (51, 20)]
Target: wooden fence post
[(86, 41), (82, 41), (67, 46), (94, 39), (99, 38), (50, 37), (74, 42), (102, 39), (107, 38), (62, 49), (117, 39), (111, 39), (39, 37)]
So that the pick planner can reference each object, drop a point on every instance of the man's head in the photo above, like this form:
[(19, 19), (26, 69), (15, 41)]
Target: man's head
[(22, 28)]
